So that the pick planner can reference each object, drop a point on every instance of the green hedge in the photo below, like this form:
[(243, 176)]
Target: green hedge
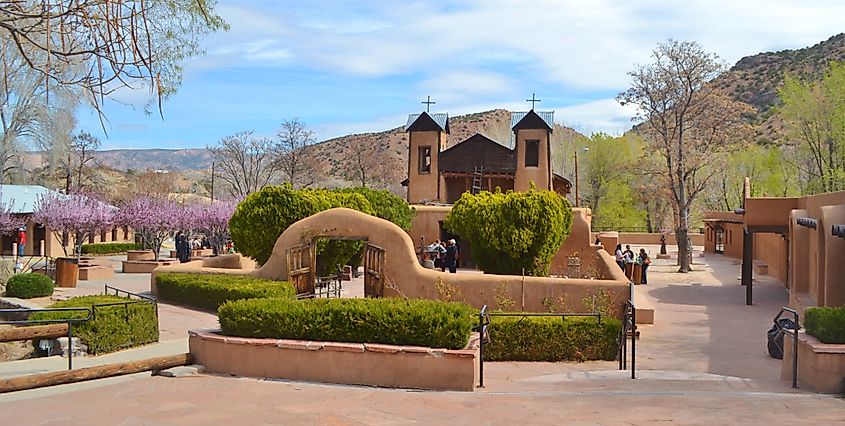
[(208, 291), (109, 248), (552, 339), (27, 286), (391, 321), (826, 324), (112, 328)]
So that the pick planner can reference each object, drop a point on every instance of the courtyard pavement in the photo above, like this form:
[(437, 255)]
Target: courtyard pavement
[(704, 361)]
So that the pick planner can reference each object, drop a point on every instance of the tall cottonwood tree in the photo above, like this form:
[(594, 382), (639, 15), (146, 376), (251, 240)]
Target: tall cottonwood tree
[(101, 46), (814, 113), (245, 163), (687, 122), (293, 162)]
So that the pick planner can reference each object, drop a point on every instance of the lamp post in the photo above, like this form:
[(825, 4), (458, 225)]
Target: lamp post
[(577, 194)]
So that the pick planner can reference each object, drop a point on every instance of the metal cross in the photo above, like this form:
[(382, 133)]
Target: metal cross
[(533, 100), (428, 102)]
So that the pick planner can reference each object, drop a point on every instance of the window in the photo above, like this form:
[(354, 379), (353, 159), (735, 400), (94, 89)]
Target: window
[(425, 159), (532, 153)]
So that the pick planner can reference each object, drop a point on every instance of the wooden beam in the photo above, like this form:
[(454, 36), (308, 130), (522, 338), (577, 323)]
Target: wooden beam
[(33, 332), (90, 373)]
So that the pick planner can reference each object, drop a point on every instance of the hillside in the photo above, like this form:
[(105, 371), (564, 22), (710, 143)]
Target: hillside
[(756, 79)]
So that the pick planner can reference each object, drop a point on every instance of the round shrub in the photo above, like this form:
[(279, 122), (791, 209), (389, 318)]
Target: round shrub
[(514, 231), (27, 286), (261, 218)]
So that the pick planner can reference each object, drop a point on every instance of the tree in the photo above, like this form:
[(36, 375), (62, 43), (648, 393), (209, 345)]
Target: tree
[(76, 216), (102, 46), (814, 113), (512, 233), (688, 122), (214, 222), (153, 218), (29, 118), (372, 167), (246, 164), (83, 147), (296, 167)]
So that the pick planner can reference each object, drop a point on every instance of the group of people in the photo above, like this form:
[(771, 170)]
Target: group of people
[(184, 246), (627, 256), (444, 256)]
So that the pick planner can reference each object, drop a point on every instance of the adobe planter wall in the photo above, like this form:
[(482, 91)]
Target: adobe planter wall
[(821, 366), (331, 362)]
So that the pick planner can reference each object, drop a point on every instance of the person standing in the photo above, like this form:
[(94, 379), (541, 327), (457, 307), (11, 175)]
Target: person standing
[(183, 248), (451, 257), (644, 260), (628, 254), (21, 240), (620, 259)]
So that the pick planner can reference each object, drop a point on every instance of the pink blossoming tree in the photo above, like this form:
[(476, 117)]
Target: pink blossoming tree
[(214, 223), (153, 218), (74, 216)]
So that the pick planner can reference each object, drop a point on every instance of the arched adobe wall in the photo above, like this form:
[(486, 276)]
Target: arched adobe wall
[(577, 243), (834, 253), (406, 277)]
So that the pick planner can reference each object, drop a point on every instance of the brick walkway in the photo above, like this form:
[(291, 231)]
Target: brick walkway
[(704, 361)]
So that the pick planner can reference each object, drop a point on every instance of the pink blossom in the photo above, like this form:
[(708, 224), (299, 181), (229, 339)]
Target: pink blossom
[(73, 215)]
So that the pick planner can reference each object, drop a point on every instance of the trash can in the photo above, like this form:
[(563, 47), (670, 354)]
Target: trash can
[(629, 270), (637, 277), (775, 337), (67, 271)]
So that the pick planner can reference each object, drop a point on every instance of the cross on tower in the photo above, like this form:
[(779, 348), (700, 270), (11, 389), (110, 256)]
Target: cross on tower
[(428, 102), (533, 100)]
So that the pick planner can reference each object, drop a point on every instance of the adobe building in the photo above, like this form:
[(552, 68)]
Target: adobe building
[(440, 170), (798, 240), (21, 201)]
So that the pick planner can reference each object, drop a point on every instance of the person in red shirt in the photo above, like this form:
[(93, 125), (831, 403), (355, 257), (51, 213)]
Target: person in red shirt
[(21, 240)]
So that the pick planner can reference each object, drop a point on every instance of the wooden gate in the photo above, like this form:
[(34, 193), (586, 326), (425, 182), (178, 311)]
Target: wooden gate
[(302, 260), (373, 271)]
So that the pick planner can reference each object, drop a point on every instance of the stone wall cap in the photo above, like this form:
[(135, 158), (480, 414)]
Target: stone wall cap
[(343, 347), (817, 346)]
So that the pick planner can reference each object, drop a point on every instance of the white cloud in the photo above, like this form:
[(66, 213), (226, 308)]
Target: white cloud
[(604, 115)]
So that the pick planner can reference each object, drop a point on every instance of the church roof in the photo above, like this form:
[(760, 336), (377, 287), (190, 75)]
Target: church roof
[(425, 121), (478, 152), (532, 119)]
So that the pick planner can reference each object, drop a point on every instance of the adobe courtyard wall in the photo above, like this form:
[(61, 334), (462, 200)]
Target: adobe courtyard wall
[(405, 276)]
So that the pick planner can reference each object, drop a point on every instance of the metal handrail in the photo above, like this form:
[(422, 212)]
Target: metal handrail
[(629, 325), (69, 321), (794, 340), (483, 324)]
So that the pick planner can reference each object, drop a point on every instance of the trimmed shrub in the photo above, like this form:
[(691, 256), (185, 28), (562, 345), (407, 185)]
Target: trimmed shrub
[(209, 291), (390, 321), (826, 324), (513, 231), (109, 248), (551, 339), (261, 217), (117, 323), (27, 286), (386, 205)]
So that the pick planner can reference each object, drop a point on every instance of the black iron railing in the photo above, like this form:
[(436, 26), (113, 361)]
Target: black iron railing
[(782, 330), (482, 328), (629, 328), (70, 322), (128, 294), (25, 264)]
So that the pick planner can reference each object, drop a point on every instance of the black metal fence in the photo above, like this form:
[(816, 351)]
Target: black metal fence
[(24, 264), (89, 313), (628, 329)]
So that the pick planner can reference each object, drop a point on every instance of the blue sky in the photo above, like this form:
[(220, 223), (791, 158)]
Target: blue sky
[(349, 67)]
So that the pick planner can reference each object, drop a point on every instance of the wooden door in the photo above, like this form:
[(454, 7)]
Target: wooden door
[(301, 266), (373, 271)]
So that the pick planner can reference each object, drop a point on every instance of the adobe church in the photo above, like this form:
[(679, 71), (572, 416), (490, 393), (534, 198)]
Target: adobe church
[(439, 171)]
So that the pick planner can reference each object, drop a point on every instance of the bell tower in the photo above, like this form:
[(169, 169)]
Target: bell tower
[(532, 132), (427, 136)]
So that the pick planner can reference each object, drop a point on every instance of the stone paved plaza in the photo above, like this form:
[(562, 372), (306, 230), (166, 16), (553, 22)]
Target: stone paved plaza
[(704, 361)]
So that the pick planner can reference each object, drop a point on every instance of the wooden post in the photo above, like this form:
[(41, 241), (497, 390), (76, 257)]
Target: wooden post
[(747, 263), (90, 373), (33, 332), (41, 248)]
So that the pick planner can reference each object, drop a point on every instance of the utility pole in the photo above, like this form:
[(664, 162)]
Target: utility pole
[(577, 195), (212, 181)]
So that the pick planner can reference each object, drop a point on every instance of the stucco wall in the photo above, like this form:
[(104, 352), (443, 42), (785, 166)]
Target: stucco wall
[(423, 187), (330, 362), (651, 238), (405, 276), (821, 366), (540, 175)]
